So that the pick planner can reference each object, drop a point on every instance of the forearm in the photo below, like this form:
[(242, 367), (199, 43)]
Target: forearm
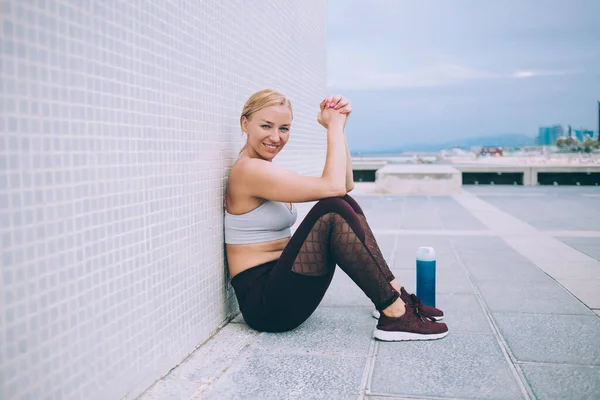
[(335, 162), (349, 174)]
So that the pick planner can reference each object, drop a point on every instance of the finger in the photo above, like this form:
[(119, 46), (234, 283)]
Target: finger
[(329, 101), (342, 103), (323, 104), (333, 100), (336, 100)]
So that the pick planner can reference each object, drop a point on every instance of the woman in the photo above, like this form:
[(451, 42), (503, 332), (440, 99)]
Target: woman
[(279, 279)]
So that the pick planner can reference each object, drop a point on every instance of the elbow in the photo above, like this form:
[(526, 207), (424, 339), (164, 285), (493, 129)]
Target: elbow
[(339, 191)]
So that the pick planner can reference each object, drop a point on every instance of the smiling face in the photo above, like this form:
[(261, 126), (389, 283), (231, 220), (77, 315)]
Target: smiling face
[(268, 131)]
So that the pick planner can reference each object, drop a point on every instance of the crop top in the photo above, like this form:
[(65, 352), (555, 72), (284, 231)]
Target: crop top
[(270, 221)]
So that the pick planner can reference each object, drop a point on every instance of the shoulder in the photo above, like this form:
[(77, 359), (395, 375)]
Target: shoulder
[(251, 168), (245, 171)]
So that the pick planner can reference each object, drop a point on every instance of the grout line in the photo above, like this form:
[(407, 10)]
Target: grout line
[(569, 233), (441, 232), (365, 383), (412, 397), (547, 364), (526, 390)]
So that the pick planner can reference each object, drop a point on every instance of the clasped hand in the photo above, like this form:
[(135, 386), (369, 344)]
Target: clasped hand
[(334, 109)]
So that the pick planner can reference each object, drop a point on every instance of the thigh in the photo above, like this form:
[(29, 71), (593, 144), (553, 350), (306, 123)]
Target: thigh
[(298, 281)]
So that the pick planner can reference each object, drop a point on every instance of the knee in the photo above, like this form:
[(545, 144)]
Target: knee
[(353, 203), (334, 204)]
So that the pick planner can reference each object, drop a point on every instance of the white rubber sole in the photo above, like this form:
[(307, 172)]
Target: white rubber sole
[(388, 336), (376, 316)]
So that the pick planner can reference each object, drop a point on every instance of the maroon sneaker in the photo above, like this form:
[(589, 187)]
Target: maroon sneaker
[(427, 311), (411, 326)]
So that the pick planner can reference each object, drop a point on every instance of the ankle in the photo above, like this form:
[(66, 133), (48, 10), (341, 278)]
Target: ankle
[(396, 310)]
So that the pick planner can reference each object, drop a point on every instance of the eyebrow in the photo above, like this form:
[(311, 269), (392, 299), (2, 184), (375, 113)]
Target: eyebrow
[(269, 122)]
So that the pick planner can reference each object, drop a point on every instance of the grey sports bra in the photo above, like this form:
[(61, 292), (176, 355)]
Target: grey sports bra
[(271, 220)]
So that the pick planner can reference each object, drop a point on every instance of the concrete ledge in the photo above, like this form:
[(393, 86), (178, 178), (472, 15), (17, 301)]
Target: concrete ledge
[(530, 172), (418, 179)]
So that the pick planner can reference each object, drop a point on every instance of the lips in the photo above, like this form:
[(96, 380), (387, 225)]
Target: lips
[(271, 147)]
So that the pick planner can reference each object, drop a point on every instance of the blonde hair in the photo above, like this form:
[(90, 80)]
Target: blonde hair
[(263, 99)]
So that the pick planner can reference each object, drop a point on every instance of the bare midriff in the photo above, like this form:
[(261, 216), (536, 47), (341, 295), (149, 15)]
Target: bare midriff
[(241, 257)]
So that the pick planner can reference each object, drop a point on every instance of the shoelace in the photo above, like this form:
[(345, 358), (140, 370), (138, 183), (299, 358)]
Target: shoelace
[(415, 302)]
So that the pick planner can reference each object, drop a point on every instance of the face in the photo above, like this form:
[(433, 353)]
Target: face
[(268, 131)]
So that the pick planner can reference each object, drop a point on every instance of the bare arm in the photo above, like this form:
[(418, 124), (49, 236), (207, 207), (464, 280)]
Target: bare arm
[(349, 173), (263, 179), (343, 105)]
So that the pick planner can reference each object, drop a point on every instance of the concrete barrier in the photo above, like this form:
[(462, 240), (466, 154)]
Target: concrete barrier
[(418, 179), (530, 172)]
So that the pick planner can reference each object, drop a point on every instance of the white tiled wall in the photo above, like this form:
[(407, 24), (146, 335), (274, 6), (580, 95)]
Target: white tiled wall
[(119, 122)]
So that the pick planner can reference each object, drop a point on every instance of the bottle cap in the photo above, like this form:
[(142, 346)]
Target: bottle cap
[(425, 253)]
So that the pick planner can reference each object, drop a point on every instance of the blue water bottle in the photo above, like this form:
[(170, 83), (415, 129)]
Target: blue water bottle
[(426, 275)]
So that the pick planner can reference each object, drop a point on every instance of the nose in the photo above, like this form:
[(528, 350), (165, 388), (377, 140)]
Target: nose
[(274, 136)]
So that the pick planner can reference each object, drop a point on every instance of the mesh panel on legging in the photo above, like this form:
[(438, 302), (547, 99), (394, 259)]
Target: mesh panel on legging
[(373, 247), (314, 257), (338, 243)]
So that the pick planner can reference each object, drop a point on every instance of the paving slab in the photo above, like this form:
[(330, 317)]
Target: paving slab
[(454, 216), (406, 249), (478, 244), (586, 245), (449, 281), (450, 367), (502, 266), (344, 292), (216, 355), (550, 214), (290, 376), (548, 338), (386, 244), (550, 382), (463, 313), (586, 290), (581, 269), (530, 297), (199, 371), (329, 331), (173, 389)]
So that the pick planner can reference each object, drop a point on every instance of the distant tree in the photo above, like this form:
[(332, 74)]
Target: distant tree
[(590, 144), (566, 142)]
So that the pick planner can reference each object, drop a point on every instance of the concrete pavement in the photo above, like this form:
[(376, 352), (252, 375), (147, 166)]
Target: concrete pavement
[(518, 279)]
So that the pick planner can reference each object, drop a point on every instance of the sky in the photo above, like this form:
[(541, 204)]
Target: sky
[(438, 70)]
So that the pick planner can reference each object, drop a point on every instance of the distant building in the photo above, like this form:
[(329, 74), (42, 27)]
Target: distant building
[(544, 138), (548, 135), (491, 151), (583, 134)]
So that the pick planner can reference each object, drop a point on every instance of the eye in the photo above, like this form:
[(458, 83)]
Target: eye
[(285, 129), (265, 126)]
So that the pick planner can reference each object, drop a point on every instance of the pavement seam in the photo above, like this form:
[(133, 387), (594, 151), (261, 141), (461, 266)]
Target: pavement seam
[(526, 390), (365, 384), (546, 364), (409, 397)]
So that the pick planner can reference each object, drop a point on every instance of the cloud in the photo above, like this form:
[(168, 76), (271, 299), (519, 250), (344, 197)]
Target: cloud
[(428, 76), (438, 75), (532, 74)]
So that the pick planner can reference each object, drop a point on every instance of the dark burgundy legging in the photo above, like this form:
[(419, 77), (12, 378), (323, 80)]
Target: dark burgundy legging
[(280, 295)]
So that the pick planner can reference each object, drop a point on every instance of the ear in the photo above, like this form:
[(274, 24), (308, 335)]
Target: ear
[(245, 123)]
